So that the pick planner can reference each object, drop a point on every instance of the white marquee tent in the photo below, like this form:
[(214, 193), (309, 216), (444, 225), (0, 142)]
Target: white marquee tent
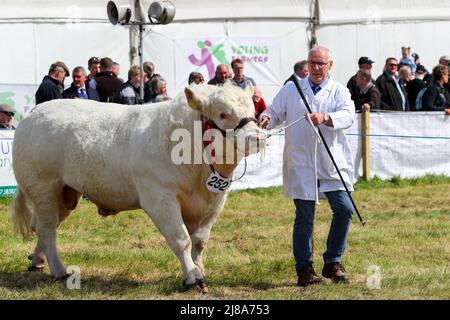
[(271, 35)]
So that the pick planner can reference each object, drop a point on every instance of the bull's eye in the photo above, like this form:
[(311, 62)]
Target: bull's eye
[(224, 116)]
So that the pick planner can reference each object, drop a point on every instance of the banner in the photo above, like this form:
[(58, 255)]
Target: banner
[(7, 180), (260, 55), (19, 96)]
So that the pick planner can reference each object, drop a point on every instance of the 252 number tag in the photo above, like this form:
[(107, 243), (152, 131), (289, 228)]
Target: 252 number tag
[(216, 183)]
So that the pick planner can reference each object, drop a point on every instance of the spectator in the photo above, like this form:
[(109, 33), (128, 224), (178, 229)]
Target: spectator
[(149, 75), (435, 97), (406, 58), (368, 97), (258, 102), (52, 85), (404, 75), (130, 93), (6, 116), (364, 63), (196, 77), (393, 97), (415, 85), (77, 90), (239, 78), (159, 88), (445, 60), (116, 70), (91, 84), (300, 71), (107, 83), (222, 75)]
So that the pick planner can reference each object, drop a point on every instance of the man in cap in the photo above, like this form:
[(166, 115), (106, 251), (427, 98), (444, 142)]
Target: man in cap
[(6, 116), (364, 63), (52, 85), (414, 86)]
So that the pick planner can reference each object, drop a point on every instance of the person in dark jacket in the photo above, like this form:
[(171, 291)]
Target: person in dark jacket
[(52, 85), (393, 96), (107, 82), (130, 93), (364, 63), (77, 89), (435, 97), (414, 86), (368, 97)]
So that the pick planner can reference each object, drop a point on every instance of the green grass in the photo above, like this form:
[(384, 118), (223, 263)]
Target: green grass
[(249, 255)]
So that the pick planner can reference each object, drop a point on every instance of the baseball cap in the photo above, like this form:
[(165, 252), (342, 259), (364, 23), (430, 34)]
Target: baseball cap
[(446, 58), (420, 69), (60, 64), (365, 60), (6, 108)]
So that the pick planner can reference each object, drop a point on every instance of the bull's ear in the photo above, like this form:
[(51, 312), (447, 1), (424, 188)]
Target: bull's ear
[(249, 89), (196, 101)]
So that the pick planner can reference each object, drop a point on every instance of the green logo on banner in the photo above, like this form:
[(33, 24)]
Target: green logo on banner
[(8, 191)]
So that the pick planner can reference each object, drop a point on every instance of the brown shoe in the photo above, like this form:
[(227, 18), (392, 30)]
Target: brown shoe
[(335, 271), (307, 276)]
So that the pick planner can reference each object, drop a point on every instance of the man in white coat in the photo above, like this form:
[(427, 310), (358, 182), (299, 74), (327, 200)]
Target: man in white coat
[(308, 169)]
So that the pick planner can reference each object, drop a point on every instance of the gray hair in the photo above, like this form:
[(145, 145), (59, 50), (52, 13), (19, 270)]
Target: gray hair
[(78, 69), (321, 49)]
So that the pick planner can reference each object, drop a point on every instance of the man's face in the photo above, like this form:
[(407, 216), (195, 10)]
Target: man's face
[(116, 70), (303, 72), (79, 78), (6, 119), (360, 82), (94, 68), (238, 69), (365, 66), (391, 67), (59, 75), (222, 73), (319, 65), (136, 80)]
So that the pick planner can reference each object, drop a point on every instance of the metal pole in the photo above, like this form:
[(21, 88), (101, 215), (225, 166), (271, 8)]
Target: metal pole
[(141, 63), (365, 115), (294, 80)]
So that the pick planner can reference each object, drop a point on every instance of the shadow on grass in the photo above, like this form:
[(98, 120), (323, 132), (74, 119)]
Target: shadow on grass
[(117, 286)]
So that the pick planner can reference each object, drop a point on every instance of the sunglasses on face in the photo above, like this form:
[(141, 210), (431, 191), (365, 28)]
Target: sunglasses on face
[(393, 65), (9, 114)]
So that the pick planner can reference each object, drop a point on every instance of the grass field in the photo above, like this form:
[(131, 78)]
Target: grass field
[(249, 255)]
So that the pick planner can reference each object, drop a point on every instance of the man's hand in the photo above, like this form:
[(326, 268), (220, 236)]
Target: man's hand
[(447, 112), (264, 121), (317, 118), (365, 106)]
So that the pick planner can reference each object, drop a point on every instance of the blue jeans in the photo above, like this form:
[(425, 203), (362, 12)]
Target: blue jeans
[(337, 237)]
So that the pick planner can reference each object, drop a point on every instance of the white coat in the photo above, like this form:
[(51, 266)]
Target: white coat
[(302, 152)]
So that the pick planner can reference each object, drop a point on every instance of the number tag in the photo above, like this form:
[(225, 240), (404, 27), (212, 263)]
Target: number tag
[(216, 183)]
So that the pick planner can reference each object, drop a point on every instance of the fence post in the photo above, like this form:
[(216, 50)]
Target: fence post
[(365, 128)]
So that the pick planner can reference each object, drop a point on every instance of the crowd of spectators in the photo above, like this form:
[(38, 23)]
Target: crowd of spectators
[(404, 85)]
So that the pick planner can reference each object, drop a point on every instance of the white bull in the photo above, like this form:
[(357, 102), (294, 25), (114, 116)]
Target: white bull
[(120, 158)]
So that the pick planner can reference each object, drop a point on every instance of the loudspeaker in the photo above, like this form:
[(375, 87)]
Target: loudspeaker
[(120, 12), (161, 12)]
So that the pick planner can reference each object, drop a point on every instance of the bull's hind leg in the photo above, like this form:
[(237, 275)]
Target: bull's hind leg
[(166, 214)]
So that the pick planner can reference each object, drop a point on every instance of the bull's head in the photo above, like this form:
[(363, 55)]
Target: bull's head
[(231, 111)]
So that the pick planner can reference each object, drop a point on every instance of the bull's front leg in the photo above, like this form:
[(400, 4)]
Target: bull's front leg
[(199, 240), (166, 214)]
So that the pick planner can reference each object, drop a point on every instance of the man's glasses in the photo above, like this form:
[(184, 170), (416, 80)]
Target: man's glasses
[(9, 114), (393, 65), (319, 64)]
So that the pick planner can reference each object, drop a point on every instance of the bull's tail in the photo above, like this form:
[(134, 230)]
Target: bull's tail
[(21, 215)]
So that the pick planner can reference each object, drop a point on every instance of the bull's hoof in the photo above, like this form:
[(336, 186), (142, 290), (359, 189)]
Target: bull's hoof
[(33, 268), (199, 285)]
